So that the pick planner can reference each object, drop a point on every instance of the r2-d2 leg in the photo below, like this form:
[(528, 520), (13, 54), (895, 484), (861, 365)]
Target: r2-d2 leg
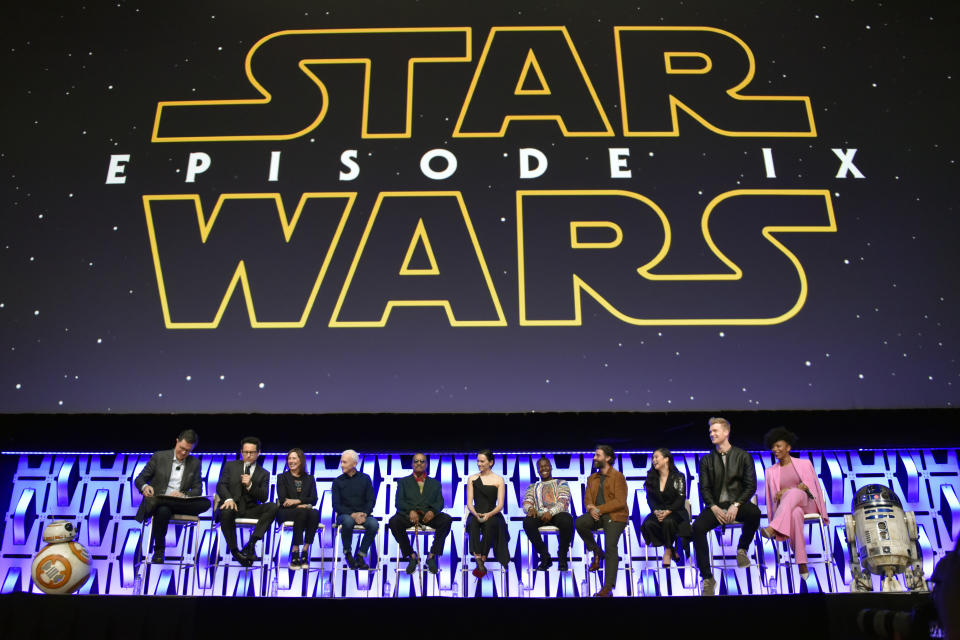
[(914, 573), (861, 580)]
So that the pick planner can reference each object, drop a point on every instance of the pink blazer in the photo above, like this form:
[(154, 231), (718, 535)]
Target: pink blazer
[(807, 476)]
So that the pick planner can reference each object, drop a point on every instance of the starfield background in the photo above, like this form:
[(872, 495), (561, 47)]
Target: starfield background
[(80, 312)]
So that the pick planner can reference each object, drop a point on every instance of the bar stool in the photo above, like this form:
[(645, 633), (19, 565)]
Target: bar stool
[(242, 524), (654, 564), (810, 519), (726, 563), (465, 574), (185, 527), (420, 532), (545, 530), (280, 554), (591, 581), (338, 566)]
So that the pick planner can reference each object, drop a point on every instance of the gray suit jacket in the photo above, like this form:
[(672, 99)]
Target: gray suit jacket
[(157, 475)]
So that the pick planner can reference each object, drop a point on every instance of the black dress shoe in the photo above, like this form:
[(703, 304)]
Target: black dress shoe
[(348, 558), (564, 564), (242, 559), (157, 557), (545, 563), (412, 563), (361, 563), (250, 552)]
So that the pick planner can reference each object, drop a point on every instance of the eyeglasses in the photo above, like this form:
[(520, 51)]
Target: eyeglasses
[(419, 461)]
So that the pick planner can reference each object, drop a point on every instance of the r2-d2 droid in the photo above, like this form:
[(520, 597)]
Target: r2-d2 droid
[(882, 540)]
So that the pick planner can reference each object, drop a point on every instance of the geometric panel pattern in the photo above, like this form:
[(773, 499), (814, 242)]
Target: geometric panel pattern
[(96, 491)]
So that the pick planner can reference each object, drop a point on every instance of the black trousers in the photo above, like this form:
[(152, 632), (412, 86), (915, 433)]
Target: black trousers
[(612, 531), (264, 513), (490, 534), (305, 522), (400, 522), (660, 534), (748, 514), (562, 521), (163, 512)]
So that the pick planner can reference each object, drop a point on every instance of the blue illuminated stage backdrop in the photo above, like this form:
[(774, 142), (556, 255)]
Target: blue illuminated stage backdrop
[(96, 490)]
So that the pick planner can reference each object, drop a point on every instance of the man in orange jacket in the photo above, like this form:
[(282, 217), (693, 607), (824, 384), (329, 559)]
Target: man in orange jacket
[(605, 504)]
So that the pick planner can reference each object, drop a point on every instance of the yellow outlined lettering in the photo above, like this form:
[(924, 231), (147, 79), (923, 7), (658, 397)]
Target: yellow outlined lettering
[(734, 92), (205, 226), (501, 320), (507, 119), (531, 63), (576, 225), (420, 238), (668, 57), (304, 65), (580, 286)]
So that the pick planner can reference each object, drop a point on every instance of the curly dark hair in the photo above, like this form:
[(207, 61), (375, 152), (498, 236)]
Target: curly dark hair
[(777, 434)]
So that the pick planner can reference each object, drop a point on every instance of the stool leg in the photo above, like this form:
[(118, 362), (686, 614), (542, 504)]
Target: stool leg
[(529, 564), (396, 572), (828, 555)]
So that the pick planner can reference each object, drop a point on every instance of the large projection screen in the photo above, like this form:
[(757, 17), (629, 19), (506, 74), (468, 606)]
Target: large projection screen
[(491, 207)]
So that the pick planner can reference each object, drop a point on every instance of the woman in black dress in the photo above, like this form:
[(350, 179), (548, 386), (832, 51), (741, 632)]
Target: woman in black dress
[(666, 490), (485, 523), (297, 493)]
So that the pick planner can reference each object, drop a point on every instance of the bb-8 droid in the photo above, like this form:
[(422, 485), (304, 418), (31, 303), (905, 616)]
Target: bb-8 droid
[(62, 565)]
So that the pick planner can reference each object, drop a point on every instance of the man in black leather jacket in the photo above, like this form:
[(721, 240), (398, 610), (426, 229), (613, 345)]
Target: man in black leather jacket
[(728, 481)]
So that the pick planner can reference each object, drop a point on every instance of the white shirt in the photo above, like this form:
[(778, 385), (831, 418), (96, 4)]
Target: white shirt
[(176, 476)]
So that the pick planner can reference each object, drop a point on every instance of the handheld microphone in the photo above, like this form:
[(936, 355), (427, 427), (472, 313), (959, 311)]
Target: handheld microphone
[(246, 469)]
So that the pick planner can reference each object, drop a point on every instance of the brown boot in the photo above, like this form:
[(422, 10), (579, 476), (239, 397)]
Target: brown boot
[(595, 565)]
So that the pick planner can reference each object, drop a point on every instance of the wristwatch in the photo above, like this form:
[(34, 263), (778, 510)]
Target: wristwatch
[(735, 504)]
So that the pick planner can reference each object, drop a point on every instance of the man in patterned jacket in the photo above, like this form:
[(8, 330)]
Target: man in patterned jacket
[(547, 503)]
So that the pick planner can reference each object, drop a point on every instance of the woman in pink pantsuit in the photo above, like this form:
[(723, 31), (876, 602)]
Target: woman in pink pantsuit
[(793, 490)]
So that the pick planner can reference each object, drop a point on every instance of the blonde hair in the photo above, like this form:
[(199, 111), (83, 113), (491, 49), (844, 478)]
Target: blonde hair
[(721, 421)]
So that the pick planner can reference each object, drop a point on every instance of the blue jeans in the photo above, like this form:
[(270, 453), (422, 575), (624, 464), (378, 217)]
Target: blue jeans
[(370, 526)]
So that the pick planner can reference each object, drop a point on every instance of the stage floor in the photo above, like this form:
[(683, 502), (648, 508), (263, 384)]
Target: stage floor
[(808, 616)]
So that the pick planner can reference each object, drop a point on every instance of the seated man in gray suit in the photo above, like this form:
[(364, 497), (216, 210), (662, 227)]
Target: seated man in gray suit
[(244, 491), (173, 473)]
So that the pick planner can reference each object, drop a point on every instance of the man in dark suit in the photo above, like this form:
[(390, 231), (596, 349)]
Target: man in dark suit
[(420, 501), (174, 473), (244, 490)]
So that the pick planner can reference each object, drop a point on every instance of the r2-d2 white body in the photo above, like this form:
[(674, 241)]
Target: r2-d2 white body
[(882, 540)]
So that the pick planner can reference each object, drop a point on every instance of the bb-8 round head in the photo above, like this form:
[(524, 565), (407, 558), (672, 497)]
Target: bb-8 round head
[(59, 531)]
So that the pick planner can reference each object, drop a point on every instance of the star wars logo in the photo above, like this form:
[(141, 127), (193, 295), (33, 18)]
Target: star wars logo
[(420, 247)]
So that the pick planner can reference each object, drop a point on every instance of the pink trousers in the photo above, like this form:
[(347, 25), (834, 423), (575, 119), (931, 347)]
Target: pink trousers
[(788, 521)]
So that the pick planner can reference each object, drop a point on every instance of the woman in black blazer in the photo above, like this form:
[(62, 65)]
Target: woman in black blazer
[(666, 490), (297, 493)]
